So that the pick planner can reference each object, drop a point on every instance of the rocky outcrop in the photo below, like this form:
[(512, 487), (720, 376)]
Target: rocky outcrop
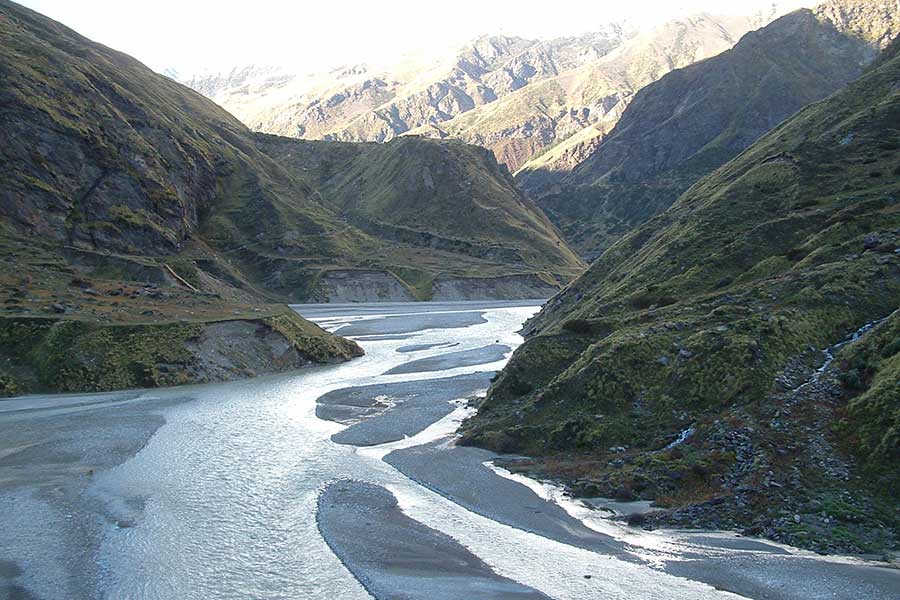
[(379, 286), (228, 350), (360, 286)]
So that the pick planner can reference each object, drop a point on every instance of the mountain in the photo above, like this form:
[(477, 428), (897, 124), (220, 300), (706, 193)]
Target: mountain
[(695, 119), (449, 221), (518, 97), (130, 206), (691, 364), (525, 123), (378, 103)]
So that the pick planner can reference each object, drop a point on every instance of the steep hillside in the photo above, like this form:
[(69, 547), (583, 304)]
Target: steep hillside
[(682, 366), (697, 118), (128, 199), (449, 203), (411, 184)]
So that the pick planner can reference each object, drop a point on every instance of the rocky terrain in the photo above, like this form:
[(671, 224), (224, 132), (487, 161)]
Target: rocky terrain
[(734, 358), (130, 204), (695, 119)]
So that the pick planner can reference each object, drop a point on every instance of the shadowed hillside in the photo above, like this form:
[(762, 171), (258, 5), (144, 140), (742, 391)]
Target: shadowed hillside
[(682, 366)]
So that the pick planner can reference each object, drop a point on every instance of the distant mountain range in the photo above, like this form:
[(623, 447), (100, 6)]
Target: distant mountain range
[(518, 97)]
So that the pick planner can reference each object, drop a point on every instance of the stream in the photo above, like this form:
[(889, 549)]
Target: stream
[(342, 482)]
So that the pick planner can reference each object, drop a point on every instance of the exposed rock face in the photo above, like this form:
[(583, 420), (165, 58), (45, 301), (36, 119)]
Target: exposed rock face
[(360, 286), (525, 123), (227, 350), (380, 286), (693, 120), (512, 287), (691, 363)]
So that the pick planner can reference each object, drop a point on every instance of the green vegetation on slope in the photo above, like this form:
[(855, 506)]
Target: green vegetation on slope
[(709, 317), (71, 355), (130, 203), (870, 425), (101, 153), (441, 197)]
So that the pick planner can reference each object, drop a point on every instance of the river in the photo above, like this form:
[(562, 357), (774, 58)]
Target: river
[(342, 482)]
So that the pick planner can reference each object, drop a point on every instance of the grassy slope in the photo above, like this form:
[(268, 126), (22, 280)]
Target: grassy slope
[(114, 176), (696, 119), (108, 155), (435, 200), (689, 319), (870, 425)]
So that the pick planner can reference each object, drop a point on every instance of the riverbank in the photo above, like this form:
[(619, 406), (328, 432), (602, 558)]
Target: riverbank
[(75, 355)]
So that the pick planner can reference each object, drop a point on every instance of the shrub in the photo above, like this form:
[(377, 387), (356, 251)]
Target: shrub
[(852, 380), (578, 326), (891, 349)]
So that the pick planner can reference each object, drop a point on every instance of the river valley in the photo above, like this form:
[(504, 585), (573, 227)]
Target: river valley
[(343, 482)]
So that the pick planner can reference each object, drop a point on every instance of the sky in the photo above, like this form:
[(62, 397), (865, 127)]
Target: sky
[(197, 35)]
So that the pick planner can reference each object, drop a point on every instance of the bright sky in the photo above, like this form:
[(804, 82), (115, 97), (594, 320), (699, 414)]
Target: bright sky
[(192, 35)]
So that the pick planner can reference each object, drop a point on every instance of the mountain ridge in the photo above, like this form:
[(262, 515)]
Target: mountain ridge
[(694, 119), (455, 97)]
